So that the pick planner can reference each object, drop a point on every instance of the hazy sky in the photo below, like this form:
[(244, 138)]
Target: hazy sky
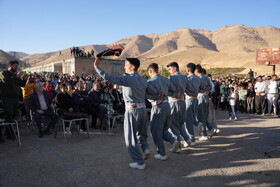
[(38, 26)]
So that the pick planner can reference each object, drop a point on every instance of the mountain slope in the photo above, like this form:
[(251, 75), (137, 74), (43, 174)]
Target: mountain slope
[(5, 58), (229, 46)]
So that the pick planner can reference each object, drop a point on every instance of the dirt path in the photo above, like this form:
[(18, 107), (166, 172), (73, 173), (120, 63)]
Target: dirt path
[(234, 158)]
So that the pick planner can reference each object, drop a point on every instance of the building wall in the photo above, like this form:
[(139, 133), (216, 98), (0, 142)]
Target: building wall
[(85, 66), (80, 66)]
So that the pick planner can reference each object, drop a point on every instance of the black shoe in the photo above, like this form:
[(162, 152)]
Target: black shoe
[(94, 127), (104, 128), (47, 132), (41, 134)]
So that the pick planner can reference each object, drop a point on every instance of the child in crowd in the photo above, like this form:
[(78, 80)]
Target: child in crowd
[(232, 104), (223, 96), (242, 95), (250, 97)]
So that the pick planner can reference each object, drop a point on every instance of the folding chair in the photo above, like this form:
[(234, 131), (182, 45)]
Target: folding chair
[(17, 135), (4, 123), (113, 117), (70, 121), (33, 124)]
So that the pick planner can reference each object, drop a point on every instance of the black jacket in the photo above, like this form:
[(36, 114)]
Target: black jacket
[(63, 101), (10, 85)]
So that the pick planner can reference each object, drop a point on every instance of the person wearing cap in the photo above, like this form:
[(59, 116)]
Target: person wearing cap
[(177, 104), (136, 119), (191, 100), (202, 97), (160, 112), (260, 100)]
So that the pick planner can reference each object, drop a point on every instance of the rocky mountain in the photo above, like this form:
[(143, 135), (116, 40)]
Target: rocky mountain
[(5, 58), (17, 54), (229, 46)]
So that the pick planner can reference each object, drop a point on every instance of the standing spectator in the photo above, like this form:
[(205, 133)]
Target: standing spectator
[(251, 74), (223, 96), (10, 83), (272, 95), (232, 104), (250, 97), (71, 51), (27, 90), (242, 96), (260, 102)]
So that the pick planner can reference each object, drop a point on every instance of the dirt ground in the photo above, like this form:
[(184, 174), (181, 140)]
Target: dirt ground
[(233, 158)]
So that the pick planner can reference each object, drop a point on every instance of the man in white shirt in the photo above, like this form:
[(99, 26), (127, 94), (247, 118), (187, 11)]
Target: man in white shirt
[(272, 95), (260, 100)]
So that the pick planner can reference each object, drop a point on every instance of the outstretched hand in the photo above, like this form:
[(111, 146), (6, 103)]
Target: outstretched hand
[(97, 61)]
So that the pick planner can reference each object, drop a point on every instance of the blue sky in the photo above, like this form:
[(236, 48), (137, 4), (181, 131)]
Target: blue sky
[(38, 26)]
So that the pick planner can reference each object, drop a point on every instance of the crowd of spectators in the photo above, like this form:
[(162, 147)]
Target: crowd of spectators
[(91, 95), (71, 96), (77, 52), (253, 95)]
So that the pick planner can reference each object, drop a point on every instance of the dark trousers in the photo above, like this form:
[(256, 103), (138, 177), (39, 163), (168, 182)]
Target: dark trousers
[(48, 113), (10, 107), (260, 104), (242, 106), (27, 109), (119, 108), (98, 113)]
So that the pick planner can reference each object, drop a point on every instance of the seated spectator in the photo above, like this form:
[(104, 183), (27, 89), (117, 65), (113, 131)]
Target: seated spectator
[(107, 99), (70, 89), (118, 103), (65, 108), (50, 89), (86, 88), (80, 101), (57, 88), (97, 108), (40, 104)]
